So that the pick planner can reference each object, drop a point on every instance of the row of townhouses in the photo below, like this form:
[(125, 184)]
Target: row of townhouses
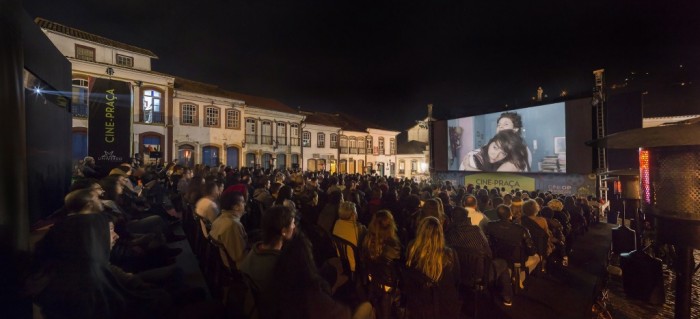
[(177, 119)]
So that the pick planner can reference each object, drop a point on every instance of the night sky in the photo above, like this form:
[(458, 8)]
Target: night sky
[(385, 60)]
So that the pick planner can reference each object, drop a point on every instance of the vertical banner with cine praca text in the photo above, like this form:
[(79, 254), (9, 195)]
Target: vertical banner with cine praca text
[(109, 123)]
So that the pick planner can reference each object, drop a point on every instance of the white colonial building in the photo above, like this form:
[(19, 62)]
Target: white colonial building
[(319, 140), (207, 125), (175, 118), (413, 156)]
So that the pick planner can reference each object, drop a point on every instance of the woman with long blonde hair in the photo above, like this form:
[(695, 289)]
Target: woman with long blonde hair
[(380, 253), (431, 277), (381, 239)]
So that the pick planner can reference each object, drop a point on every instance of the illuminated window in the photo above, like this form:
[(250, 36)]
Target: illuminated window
[(151, 107)]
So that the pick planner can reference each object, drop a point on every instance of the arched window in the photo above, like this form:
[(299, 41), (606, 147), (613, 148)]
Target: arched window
[(151, 146), (210, 156), (295, 161), (250, 160), (281, 161), (343, 166), (188, 114), (321, 140), (267, 160), (79, 101), (151, 107), (333, 168), (232, 154), (351, 166), (185, 155), (321, 164), (392, 146), (306, 139), (369, 145)]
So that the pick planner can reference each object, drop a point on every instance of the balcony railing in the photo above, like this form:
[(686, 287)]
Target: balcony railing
[(294, 141), (334, 145), (361, 150), (353, 151), (150, 117), (266, 140), (281, 140), (79, 110), (343, 150), (251, 138)]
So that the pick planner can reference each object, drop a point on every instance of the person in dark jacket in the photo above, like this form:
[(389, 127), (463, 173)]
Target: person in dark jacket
[(432, 275), (74, 278), (511, 242)]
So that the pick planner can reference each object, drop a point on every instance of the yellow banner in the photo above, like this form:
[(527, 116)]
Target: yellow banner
[(499, 180)]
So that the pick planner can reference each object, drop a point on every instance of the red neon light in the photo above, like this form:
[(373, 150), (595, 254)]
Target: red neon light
[(644, 174)]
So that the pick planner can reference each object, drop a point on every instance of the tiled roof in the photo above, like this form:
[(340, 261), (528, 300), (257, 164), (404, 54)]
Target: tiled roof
[(250, 100), (73, 32)]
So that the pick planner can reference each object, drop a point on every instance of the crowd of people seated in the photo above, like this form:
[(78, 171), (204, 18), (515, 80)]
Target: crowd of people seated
[(294, 244)]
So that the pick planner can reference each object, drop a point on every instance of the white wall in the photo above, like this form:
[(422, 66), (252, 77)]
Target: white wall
[(103, 54), (325, 153)]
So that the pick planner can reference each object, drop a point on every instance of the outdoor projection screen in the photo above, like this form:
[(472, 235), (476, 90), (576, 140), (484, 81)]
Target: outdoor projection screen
[(522, 140)]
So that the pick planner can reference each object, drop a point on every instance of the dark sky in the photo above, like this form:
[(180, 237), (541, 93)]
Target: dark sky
[(385, 60)]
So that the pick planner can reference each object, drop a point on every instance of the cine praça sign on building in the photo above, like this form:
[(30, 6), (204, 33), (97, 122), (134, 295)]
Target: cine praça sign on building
[(499, 180)]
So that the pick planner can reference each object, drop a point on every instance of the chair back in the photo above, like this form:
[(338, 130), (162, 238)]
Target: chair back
[(475, 267), (344, 248), (509, 251), (539, 236)]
